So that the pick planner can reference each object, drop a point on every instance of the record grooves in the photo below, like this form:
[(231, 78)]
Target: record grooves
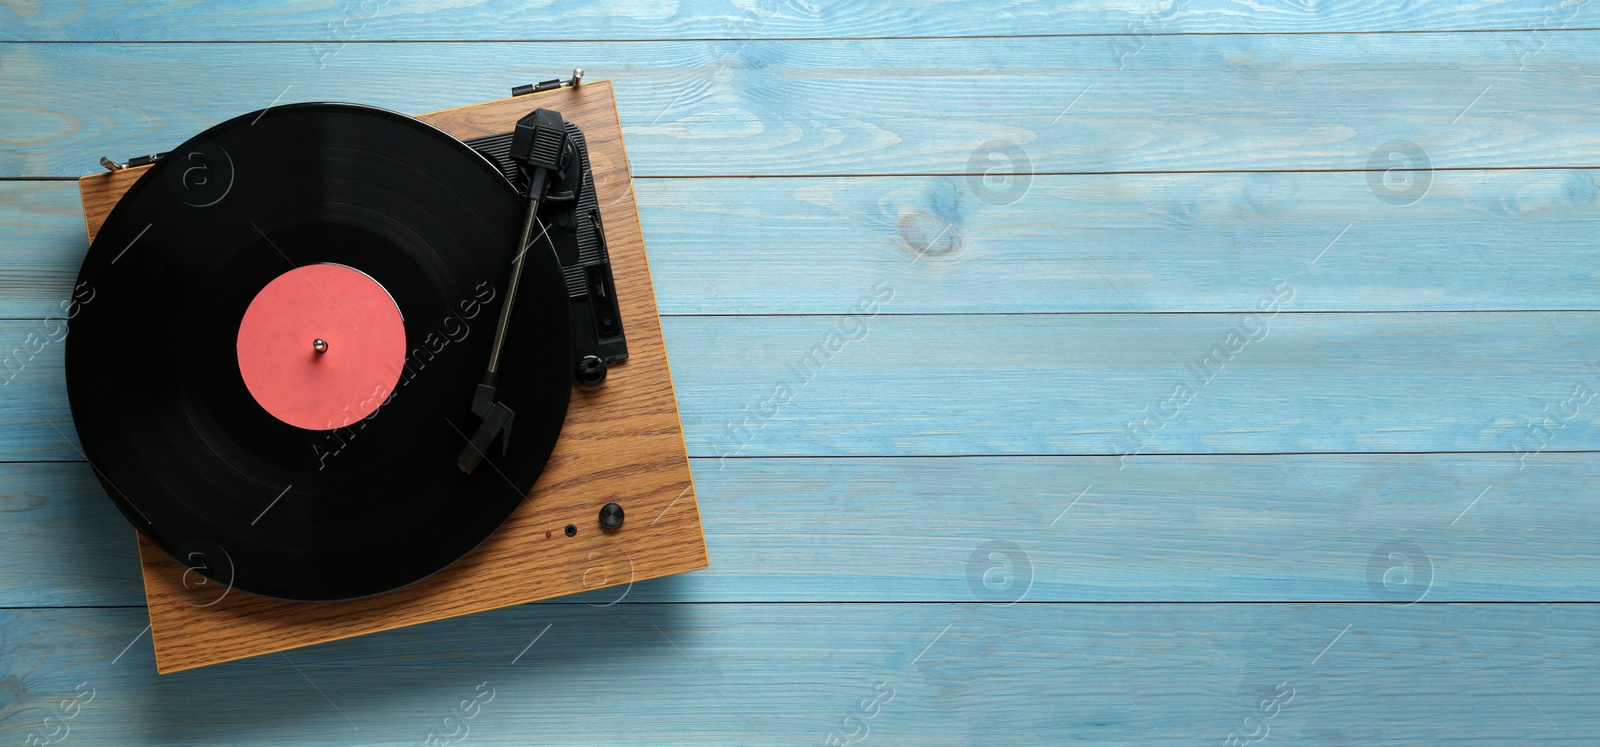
[(357, 507)]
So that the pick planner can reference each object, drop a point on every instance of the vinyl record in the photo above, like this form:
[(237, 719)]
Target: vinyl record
[(274, 374)]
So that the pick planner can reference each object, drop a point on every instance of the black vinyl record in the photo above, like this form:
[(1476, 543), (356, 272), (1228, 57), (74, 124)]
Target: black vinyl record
[(185, 449)]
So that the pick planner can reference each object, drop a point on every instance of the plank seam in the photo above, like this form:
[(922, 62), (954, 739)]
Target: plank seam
[(738, 39), (1063, 455)]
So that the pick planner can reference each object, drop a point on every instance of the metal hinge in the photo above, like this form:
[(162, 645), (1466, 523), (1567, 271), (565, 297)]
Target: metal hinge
[(549, 85), (135, 161)]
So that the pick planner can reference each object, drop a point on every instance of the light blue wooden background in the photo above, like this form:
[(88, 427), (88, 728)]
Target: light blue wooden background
[(1157, 171)]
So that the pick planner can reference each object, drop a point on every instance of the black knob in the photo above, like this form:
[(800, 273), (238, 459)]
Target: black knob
[(590, 371), (611, 516)]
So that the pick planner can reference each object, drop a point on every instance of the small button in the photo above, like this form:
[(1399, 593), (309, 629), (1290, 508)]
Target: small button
[(611, 516)]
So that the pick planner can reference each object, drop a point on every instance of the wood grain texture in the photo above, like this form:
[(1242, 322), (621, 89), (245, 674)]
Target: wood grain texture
[(1176, 529), (332, 24), (622, 443), (60, 514), (787, 634), (1131, 384), (759, 674), (855, 107), (42, 223), (1478, 240), (1029, 384)]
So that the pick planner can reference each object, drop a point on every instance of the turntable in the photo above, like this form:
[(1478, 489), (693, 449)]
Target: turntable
[(347, 370)]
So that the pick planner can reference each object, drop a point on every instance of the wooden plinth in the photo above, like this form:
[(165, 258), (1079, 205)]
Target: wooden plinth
[(622, 442)]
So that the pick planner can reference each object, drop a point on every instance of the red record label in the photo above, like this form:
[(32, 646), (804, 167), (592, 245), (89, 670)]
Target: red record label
[(321, 346)]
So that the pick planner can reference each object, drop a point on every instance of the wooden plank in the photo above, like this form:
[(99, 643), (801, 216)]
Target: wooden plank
[(1176, 529), (633, 423), (334, 24), (1073, 104), (1124, 243), (77, 545), (1479, 240), (42, 246), (787, 529), (1077, 384), (1130, 384), (757, 674)]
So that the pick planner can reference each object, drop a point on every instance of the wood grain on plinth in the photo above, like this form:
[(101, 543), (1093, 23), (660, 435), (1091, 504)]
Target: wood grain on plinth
[(621, 442)]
